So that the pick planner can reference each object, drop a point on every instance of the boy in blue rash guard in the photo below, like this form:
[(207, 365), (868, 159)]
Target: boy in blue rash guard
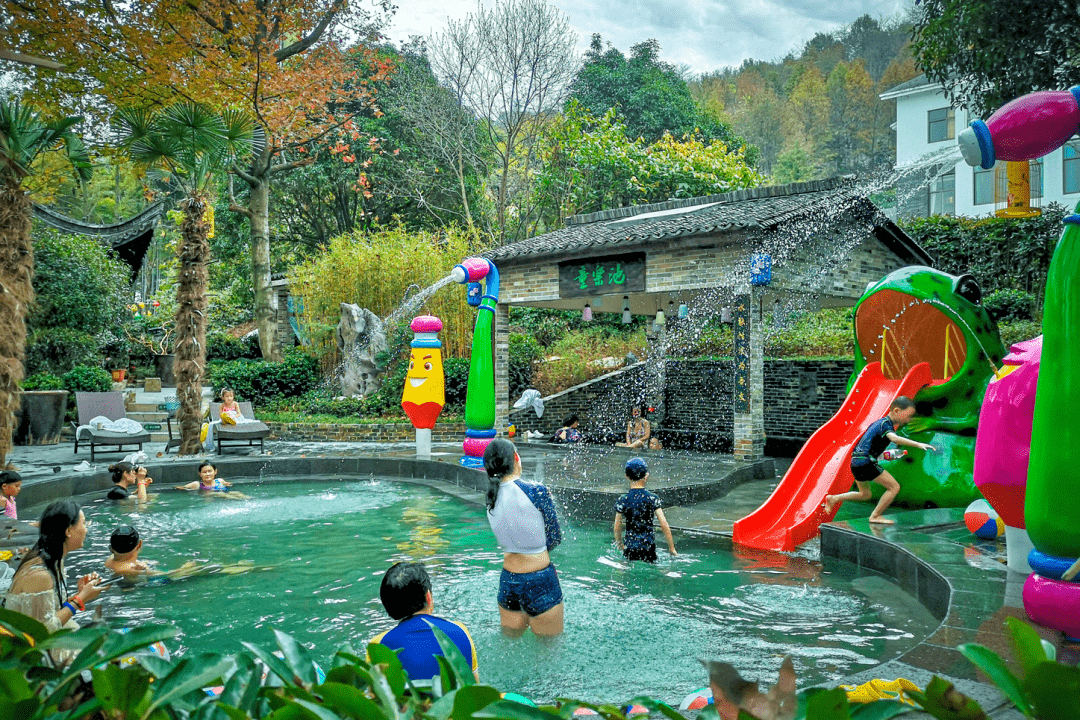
[(865, 456), (638, 508), (406, 594), (522, 516)]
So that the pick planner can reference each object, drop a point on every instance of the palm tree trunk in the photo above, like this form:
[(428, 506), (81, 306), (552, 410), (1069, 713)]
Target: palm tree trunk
[(190, 362), (16, 292)]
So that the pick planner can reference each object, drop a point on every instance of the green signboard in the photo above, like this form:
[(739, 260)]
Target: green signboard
[(602, 275)]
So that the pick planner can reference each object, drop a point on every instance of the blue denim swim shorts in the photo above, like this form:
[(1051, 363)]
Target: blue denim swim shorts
[(532, 593)]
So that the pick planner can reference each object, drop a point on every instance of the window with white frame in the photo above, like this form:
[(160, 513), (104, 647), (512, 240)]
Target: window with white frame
[(942, 194), (940, 125)]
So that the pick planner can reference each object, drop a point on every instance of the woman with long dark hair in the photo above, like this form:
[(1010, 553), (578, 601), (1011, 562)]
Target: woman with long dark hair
[(523, 518), (39, 588)]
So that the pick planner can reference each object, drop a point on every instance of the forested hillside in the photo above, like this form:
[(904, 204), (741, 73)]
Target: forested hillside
[(817, 113)]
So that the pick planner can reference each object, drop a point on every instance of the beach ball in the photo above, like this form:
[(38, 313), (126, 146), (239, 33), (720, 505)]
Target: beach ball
[(983, 520)]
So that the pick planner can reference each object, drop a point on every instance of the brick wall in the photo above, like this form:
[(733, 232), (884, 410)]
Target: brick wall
[(603, 404), (800, 397)]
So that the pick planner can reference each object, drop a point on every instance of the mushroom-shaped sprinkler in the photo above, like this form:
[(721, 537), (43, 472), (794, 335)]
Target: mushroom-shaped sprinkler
[(480, 396), (425, 384)]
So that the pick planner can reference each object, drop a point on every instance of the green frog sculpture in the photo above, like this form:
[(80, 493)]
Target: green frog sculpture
[(916, 315)]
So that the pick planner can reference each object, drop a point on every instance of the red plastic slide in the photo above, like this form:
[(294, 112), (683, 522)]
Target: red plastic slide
[(792, 513)]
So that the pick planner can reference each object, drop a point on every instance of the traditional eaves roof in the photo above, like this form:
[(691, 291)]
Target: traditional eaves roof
[(129, 238), (761, 208)]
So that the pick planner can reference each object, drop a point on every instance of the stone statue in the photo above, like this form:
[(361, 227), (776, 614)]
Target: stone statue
[(360, 339)]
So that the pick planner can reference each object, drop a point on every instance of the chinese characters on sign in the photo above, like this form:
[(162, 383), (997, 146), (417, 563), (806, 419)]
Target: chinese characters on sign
[(602, 275), (741, 320)]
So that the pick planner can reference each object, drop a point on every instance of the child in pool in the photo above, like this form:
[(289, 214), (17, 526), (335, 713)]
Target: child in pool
[(125, 545), (209, 482), (638, 508), (865, 456), (10, 487)]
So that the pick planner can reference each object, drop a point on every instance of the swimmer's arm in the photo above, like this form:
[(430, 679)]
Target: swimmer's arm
[(189, 486), (667, 531), (900, 440), (648, 431), (618, 530)]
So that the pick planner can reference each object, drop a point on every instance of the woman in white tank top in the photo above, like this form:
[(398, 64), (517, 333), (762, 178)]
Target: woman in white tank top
[(523, 518)]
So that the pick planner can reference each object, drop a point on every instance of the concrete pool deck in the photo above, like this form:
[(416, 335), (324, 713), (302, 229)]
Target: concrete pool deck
[(929, 553)]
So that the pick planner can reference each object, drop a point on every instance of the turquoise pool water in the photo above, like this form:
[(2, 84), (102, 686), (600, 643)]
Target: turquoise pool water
[(321, 548)]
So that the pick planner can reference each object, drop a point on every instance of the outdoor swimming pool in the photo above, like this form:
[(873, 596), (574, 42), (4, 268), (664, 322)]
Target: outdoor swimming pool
[(322, 546)]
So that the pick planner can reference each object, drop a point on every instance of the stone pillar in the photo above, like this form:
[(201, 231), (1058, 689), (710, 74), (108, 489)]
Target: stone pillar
[(502, 366), (749, 377)]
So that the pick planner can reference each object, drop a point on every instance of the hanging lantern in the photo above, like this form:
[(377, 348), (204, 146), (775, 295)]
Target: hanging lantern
[(725, 314), (684, 310), (586, 313), (660, 321), (626, 317)]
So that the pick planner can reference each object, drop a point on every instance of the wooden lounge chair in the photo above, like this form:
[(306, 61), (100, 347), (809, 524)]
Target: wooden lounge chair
[(235, 435), (110, 405)]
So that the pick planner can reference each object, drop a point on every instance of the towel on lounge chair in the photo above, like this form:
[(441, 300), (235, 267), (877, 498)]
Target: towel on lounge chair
[(104, 424)]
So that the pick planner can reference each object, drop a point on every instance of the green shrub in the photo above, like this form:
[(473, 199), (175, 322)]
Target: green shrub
[(457, 382), (85, 378), (224, 347), (826, 333), (42, 381), (320, 401), (1018, 330), (525, 351), (579, 353), (1009, 305), (260, 382), (78, 284), (57, 350), (387, 401)]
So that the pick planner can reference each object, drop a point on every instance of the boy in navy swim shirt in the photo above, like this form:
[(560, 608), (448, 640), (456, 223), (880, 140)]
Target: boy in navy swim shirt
[(638, 508), (864, 460)]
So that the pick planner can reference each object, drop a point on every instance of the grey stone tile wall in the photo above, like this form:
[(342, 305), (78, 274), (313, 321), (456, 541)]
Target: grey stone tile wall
[(800, 397)]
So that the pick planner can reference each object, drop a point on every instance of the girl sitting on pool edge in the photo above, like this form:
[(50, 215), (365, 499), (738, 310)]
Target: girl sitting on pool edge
[(209, 482)]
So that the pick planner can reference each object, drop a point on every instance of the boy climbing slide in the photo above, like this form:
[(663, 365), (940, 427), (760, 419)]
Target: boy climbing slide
[(865, 456)]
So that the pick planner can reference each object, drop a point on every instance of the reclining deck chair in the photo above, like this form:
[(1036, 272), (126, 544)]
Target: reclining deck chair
[(235, 435), (110, 405)]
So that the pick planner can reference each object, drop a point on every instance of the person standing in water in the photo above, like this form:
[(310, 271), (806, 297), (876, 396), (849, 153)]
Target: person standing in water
[(638, 508), (522, 516)]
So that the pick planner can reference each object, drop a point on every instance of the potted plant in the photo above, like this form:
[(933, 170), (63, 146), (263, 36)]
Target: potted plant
[(40, 418), (158, 342)]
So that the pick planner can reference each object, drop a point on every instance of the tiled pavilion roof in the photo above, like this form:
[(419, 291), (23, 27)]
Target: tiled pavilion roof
[(762, 208)]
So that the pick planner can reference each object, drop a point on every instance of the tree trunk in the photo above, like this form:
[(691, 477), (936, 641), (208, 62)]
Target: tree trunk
[(190, 363), (259, 206), (16, 292)]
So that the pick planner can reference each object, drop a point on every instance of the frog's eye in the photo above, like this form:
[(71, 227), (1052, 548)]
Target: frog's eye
[(967, 288), (427, 366), (410, 364)]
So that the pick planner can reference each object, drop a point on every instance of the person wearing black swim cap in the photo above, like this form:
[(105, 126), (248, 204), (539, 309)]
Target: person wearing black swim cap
[(125, 545)]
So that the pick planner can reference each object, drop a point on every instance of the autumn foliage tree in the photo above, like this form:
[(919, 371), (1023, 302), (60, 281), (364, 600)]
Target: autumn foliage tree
[(283, 62)]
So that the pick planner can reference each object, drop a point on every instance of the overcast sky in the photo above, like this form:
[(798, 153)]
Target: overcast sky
[(706, 35)]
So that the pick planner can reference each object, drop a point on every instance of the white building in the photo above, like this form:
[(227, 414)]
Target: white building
[(926, 128)]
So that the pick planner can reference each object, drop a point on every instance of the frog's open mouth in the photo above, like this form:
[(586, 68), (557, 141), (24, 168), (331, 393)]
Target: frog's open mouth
[(900, 330)]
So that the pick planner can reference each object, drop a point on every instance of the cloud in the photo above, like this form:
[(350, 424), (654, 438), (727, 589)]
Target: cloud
[(706, 35)]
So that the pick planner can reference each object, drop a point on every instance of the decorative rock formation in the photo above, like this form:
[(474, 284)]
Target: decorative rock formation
[(360, 340)]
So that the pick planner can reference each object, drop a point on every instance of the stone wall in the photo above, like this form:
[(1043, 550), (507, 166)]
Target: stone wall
[(381, 433), (603, 404), (800, 397)]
